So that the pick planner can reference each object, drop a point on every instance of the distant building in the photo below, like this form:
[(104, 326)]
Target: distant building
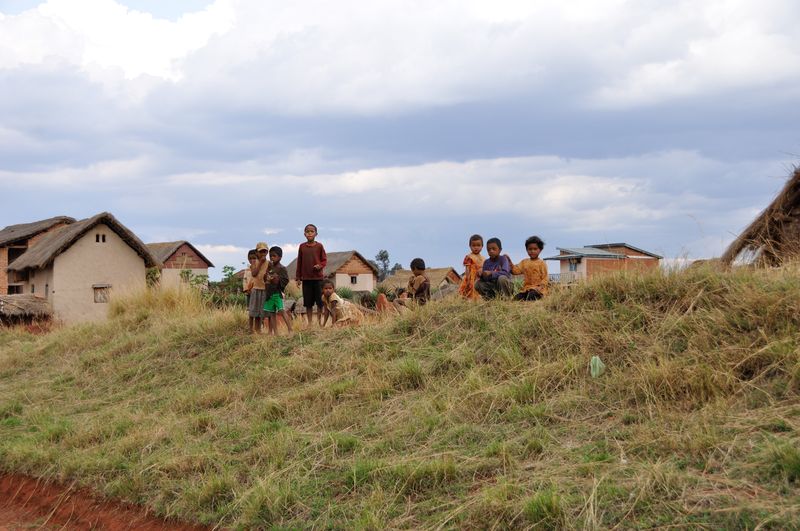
[(79, 268), (439, 277), (177, 257), (582, 263), (348, 269), (15, 240)]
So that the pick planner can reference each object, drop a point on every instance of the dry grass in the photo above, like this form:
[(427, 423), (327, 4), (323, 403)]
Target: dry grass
[(454, 416)]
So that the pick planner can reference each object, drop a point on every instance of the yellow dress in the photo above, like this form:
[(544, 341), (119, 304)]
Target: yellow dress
[(344, 310), (535, 273), (473, 264)]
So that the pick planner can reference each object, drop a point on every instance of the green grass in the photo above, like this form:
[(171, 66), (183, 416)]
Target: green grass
[(456, 415)]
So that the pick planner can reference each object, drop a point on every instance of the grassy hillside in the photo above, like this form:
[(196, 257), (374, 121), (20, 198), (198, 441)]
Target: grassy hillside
[(458, 415)]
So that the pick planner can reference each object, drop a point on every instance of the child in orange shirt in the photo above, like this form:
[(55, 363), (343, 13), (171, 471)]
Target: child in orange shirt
[(534, 270), (473, 264)]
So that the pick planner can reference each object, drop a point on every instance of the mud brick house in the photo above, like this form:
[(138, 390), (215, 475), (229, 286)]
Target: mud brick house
[(79, 268), (583, 263), (439, 277), (15, 240), (347, 269), (177, 257)]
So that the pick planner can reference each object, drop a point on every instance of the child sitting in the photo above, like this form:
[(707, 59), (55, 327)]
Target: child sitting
[(276, 281), (496, 273), (419, 285), (473, 264), (339, 310), (534, 270)]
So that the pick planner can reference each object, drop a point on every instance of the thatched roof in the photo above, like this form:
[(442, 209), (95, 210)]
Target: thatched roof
[(335, 261), (437, 276), (774, 236), (50, 246), (24, 231), (163, 251), (24, 306)]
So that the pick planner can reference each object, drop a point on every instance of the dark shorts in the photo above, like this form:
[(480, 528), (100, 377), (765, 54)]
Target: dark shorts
[(312, 293)]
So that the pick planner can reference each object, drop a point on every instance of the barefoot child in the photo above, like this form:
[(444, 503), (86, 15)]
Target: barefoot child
[(259, 270), (535, 271), (340, 311), (247, 278), (311, 262), (473, 263), (277, 280)]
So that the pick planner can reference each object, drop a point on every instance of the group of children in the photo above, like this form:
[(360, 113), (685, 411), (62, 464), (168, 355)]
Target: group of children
[(266, 279)]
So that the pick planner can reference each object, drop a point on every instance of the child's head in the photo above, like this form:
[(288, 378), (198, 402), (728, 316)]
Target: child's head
[(327, 287), (401, 293), (262, 249), (476, 243), (534, 246), (275, 254), (252, 255), (310, 232), (417, 266), (493, 247)]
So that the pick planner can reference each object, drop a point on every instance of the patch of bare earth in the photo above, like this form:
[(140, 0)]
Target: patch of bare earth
[(27, 503)]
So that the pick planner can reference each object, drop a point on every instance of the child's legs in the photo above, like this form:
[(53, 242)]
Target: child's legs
[(530, 295), (287, 319), (505, 286), (273, 323), (486, 288)]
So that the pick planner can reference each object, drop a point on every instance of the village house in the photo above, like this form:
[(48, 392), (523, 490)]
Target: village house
[(347, 269), (439, 277), (82, 266), (583, 263), (15, 240), (177, 257)]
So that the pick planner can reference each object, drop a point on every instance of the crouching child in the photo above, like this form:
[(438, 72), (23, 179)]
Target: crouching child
[(496, 274), (340, 311)]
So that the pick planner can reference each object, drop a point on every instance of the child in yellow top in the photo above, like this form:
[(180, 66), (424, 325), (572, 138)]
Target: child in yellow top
[(535, 272), (340, 311), (473, 265)]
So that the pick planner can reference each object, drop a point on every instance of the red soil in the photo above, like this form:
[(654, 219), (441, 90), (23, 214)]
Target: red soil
[(26, 502)]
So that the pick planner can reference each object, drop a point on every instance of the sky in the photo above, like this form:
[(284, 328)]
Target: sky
[(401, 125)]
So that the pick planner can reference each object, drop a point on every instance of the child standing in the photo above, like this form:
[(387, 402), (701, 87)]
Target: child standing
[(496, 273), (535, 271), (277, 280), (247, 278), (339, 310), (419, 285), (311, 262), (473, 265), (259, 270)]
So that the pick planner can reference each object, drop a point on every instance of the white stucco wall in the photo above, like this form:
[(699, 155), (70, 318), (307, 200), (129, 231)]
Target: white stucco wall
[(87, 263), (42, 281), (171, 278), (566, 273), (366, 282)]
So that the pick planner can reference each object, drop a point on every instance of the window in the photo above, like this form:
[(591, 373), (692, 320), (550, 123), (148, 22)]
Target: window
[(100, 238), (33, 289), (97, 238), (15, 290), (102, 293), (47, 291), (573, 265), (353, 279), (103, 238)]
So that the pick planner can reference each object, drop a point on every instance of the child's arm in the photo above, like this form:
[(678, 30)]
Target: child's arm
[(332, 311), (323, 258), (282, 278), (325, 314), (299, 264)]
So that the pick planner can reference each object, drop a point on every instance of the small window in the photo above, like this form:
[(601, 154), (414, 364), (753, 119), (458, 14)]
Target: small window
[(353, 279), (33, 289), (47, 291), (97, 238), (102, 293), (15, 290), (103, 238), (573, 265)]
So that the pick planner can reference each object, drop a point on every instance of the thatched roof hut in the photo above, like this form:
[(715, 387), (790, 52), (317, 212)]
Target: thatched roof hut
[(24, 231), (774, 236), (24, 307), (49, 247)]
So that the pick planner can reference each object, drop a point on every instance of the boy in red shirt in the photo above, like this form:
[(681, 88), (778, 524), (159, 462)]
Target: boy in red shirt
[(311, 262)]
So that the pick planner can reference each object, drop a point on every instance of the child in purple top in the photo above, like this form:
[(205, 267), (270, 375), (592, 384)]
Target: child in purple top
[(496, 273)]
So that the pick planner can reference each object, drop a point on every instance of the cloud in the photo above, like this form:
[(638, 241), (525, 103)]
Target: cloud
[(270, 232), (393, 56)]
